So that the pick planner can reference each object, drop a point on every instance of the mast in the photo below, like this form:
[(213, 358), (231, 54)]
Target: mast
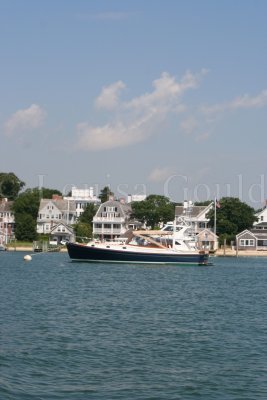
[(215, 215)]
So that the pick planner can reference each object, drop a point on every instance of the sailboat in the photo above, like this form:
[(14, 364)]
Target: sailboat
[(142, 246)]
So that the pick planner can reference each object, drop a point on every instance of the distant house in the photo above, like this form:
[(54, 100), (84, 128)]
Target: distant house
[(81, 198), (54, 211), (256, 237), (196, 216), (206, 239), (261, 217), (112, 219), (62, 233), (7, 221), (253, 239)]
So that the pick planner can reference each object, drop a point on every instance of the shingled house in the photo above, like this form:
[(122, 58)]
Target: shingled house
[(112, 219), (55, 216), (7, 221), (253, 239)]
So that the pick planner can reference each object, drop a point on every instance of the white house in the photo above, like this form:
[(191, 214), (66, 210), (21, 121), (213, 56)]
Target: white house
[(62, 232), (112, 219), (135, 197), (81, 198), (7, 221), (53, 211), (261, 218), (196, 216)]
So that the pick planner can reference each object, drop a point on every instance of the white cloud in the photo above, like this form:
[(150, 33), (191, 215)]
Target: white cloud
[(166, 91), (109, 96), (26, 119), (113, 135), (247, 101), (160, 174), (241, 102), (189, 125), (138, 118)]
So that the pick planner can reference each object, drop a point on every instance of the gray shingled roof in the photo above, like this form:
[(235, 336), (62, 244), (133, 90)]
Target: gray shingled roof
[(125, 208), (61, 204), (195, 210)]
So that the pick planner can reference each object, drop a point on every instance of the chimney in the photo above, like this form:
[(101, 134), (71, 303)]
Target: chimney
[(56, 197)]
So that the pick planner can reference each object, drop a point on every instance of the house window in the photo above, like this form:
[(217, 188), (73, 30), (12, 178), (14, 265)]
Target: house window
[(107, 226), (262, 243), (116, 226), (247, 242)]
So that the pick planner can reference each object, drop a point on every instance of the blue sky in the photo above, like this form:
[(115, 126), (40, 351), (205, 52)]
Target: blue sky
[(166, 97)]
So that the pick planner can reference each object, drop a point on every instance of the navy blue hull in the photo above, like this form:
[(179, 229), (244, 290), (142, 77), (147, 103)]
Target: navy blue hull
[(80, 252)]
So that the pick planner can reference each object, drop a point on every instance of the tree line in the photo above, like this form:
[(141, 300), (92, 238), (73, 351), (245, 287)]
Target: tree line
[(232, 217)]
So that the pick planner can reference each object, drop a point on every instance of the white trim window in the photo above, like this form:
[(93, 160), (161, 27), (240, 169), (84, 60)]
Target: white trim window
[(247, 242)]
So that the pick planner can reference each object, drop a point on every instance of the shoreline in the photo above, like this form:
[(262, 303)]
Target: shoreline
[(30, 249), (241, 253)]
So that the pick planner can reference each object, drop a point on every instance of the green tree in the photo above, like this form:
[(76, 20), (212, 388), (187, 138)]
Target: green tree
[(26, 208), (105, 193), (10, 185), (28, 202), (232, 217), (88, 214), (84, 227), (153, 210), (46, 193), (83, 231), (25, 229)]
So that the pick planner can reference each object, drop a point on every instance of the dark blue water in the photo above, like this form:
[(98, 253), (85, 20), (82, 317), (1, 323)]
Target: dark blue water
[(96, 331)]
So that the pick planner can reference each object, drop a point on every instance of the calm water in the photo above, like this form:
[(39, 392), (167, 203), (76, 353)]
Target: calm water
[(87, 331)]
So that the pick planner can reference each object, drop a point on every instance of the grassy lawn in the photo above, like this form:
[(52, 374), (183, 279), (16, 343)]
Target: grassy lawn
[(17, 243)]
